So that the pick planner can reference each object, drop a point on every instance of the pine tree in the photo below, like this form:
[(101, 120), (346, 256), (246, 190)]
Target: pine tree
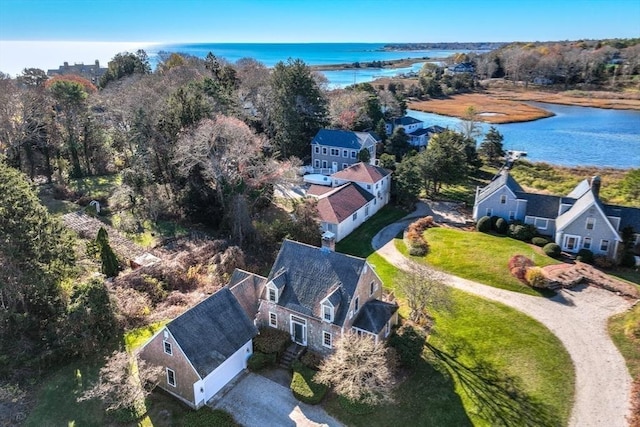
[(491, 146)]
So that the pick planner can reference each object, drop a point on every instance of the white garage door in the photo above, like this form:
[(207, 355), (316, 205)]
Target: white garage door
[(226, 371)]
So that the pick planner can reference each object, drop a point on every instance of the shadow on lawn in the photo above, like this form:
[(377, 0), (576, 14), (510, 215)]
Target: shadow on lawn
[(498, 397)]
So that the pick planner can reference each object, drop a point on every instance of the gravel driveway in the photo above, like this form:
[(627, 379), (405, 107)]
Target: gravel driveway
[(578, 317), (256, 401)]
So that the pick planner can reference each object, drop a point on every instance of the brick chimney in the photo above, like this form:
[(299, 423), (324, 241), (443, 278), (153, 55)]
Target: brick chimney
[(329, 241), (595, 186)]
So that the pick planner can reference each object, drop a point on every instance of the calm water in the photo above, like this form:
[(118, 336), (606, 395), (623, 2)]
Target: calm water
[(574, 136), (312, 54)]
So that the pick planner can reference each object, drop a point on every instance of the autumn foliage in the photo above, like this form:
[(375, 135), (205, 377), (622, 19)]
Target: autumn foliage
[(86, 84)]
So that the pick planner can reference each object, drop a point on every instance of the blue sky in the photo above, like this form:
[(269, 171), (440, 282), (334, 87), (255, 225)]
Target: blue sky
[(317, 21)]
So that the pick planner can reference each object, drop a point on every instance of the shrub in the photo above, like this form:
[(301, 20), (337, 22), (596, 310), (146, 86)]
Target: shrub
[(421, 224), (355, 408), (414, 237), (419, 249), (271, 340), (494, 221), (502, 227), (259, 360), (552, 250), (535, 277), (311, 359), (520, 231), (210, 418), (518, 265), (602, 261), (409, 344), (628, 260), (585, 255), (539, 241), (304, 388), (484, 224)]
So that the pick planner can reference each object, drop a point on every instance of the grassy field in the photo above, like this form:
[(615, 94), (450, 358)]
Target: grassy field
[(479, 256), (483, 362)]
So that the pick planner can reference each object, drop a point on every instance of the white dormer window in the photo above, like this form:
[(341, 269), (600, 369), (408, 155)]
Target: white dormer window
[(167, 347), (591, 222), (327, 313), (272, 293)]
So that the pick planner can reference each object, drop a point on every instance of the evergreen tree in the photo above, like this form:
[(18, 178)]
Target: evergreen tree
[(110, 264), (398, 144), (364, 155), (491, 146), (381, 130), (444, 161)]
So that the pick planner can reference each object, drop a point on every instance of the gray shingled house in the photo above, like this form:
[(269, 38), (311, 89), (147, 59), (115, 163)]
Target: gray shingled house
[(317, 295), (575, 221), (205, 347)]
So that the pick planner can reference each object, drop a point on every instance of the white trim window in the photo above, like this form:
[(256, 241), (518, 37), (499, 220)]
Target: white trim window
[(489, 211), (272, 293), (387, 329), (273, 319), (356, 304), (354, 154), (327, 313), (345, 154), (503, 199), (372, 288), (355, 216), (327, 339), (345, 165), (538, 223), (316, 163), (586, 244), (167, 348), (171, 377), (512, 215), (325, 164), (366, 211), (591, 223), (604, 245), (324, 150), (316, 149), (335, 152)]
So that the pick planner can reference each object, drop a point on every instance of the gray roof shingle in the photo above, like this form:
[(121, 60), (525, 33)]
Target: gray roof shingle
[(540, 205), (212, 331), (312, 274), (374, 315), (341, 138), (503, 178)]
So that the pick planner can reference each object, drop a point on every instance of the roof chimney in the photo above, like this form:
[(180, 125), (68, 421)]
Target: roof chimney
[(595, 186), (328, 241)]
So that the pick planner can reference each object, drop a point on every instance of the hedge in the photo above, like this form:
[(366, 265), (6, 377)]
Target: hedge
[(585, 255), (271, 340), (552, 250), (502, 227), (259, 360), (484, 224), (304, 388), (539, 241)]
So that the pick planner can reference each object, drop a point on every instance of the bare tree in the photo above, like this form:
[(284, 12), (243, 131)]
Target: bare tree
[(121, 385), (348, 109), (358, 370), (424, 290)]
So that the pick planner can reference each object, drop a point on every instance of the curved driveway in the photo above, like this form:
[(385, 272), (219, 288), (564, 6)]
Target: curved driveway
[(578, 317)]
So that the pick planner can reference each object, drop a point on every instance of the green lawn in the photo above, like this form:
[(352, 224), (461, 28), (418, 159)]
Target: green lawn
[(484, 362), (358, 243), (479, 256), (96, 186), (624, 329)]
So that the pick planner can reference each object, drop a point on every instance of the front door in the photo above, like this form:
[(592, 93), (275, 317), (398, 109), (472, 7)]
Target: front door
[(334, 167), (299, 330), (571, 243)]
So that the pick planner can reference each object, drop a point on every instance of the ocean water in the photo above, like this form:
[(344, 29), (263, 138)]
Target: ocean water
[(312, 54), (575, 136)]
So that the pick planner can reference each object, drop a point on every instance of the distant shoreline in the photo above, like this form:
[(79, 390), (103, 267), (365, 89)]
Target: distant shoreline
[(387, 64)]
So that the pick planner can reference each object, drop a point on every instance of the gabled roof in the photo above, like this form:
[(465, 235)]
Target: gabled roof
[(247, 287), (312, 273), (318, 190), (582, 204), (279, 279), (501, 179), (341, 138), (340, 204), (362, 172), (629, 217), (212, 331), (419, 132), (540, 205), (374, 315), (582, 187), (406, 120)]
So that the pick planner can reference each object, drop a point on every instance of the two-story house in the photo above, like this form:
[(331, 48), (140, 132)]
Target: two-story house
[(317, 295), (418, 135), (576, 221), (333, 149), (357, 193)]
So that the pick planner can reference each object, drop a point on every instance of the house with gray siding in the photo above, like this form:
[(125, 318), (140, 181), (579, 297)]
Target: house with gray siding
[(576, 221), (333, 150)]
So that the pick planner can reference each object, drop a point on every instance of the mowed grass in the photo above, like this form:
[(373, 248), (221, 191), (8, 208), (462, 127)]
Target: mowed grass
[(484, 364), (624, 329), (478, 256), (358, 243)]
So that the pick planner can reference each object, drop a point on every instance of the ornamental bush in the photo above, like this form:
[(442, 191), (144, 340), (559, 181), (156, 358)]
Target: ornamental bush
[(535, 278), (304, 388), (494, 221), (628, 260), (552, 250), (539, 241), (518, 265), (484, 224), (271, 340), (585, 255), (502, 227), (311, 359), (259, 360), (520, 231)]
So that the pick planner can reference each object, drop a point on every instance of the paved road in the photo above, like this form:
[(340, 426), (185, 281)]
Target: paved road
[(256, 401), (578, 317)]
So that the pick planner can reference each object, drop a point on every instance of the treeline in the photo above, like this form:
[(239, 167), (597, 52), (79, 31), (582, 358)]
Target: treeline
[(471, 46), (587, 62)]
